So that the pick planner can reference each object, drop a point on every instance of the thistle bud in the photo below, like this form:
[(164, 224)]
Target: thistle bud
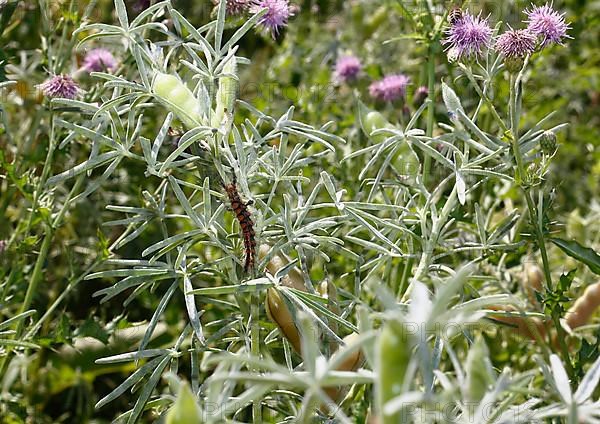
[(513, 64), (548, 142)]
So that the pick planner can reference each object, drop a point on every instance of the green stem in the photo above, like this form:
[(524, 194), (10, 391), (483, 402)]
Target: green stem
[(255, 350), (45, 171), (482, 95), (534, 214), (438, 225), (430, 109)]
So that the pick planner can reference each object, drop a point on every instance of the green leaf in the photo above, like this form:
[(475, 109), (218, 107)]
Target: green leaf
[(583, 254), (92, 328)]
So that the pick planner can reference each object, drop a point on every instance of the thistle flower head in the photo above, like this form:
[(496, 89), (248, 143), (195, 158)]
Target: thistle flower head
[(60, 86), (98, 60), (235, 7), (516, 43), (347, 68), (390, 88), (278, 13), (547, 23), (468, 35)]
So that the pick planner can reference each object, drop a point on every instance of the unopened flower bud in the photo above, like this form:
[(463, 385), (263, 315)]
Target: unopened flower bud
[(513, 64), (548, 142)]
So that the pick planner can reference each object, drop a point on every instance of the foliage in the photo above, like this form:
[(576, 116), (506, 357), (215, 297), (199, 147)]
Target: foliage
[(388, 239)]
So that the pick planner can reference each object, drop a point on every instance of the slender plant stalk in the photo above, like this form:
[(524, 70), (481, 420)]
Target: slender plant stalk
[(430, 109), (255, 349), (534, 213), (439, 223)]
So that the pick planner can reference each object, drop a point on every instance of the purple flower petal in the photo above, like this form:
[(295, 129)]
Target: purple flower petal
[(60, 86), (468, 35), (347, 68), (279, 11), (516, 43), (547, 23), (390, 88)]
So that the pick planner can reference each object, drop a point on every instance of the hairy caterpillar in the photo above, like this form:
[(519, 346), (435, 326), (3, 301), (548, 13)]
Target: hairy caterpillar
[(245, 219)]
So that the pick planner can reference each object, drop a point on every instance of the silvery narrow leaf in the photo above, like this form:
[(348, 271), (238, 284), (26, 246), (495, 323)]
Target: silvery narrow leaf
[(451, 100), (122, 13), (190, 304), (561, 379), (461, 188), (589, 383)]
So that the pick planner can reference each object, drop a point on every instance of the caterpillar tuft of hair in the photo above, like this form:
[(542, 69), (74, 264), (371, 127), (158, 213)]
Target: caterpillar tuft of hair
[(242, 213)]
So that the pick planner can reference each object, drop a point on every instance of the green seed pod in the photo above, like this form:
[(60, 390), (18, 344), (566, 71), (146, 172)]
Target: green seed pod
[(479, 371), (179, 98), (548, 142), (407, 162), (185, 410), (371, 120), (226, 95), (394, 347)]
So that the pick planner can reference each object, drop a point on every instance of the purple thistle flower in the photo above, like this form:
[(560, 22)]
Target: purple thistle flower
[(60, 86), (468, 35), (98, 60), (347, 68), (279, 11), (547, 23), (390, 88), (516, 43), (235, 7)]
